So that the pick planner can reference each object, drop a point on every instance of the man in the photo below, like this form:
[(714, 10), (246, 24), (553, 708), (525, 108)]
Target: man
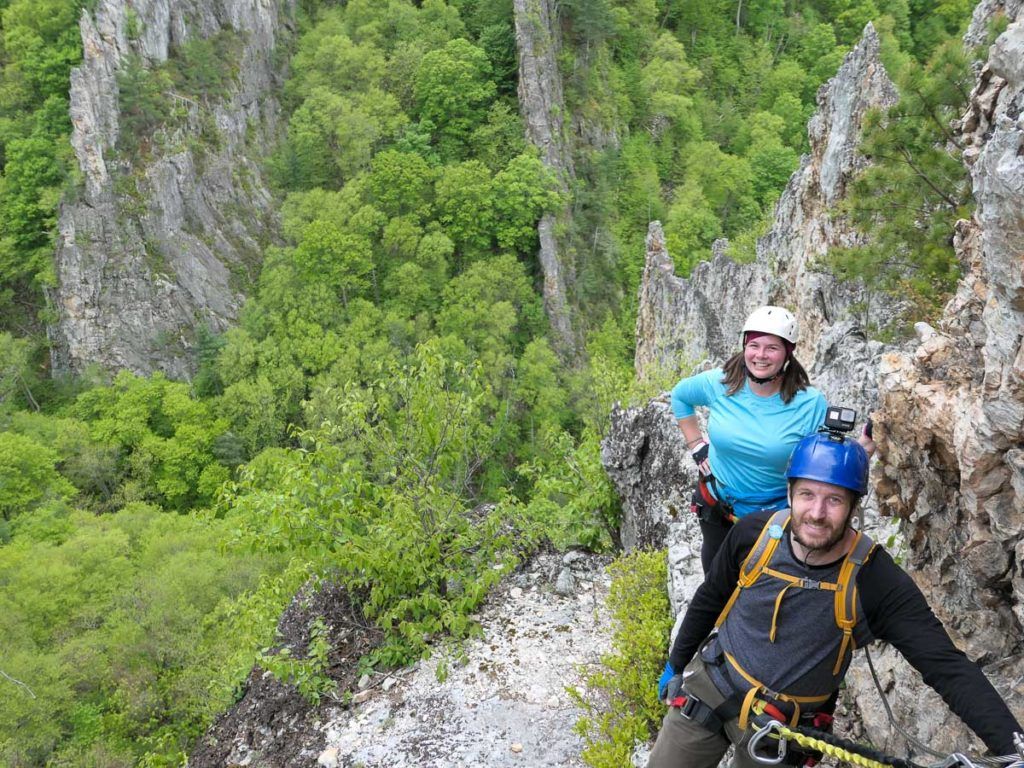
[(785, 637)]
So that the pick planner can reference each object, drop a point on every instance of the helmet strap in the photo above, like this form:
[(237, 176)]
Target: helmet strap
[(759, 380)]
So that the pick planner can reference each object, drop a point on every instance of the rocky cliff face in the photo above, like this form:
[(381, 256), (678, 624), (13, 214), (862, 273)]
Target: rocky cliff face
[(950, 409), (149, 252), (543, 106)]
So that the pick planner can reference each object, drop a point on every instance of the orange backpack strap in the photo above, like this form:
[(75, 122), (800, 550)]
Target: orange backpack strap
[(758, 557), (846, 594)]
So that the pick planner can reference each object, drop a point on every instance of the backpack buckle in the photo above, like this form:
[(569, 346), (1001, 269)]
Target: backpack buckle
[(689, 706)]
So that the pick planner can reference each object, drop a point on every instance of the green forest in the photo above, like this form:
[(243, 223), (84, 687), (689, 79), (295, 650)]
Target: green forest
[(389, 412)]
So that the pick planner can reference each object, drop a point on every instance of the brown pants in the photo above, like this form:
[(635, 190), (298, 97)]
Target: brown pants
[(682, 743)]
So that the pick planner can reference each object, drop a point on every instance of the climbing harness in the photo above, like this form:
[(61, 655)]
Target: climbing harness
[(708, 501), (853, 753), (845, 606)]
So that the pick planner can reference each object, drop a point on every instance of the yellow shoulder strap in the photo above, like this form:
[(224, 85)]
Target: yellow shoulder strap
[(846, 594), (758, 557)]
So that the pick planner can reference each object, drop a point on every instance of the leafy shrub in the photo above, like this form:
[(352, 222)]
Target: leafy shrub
[(28, 475), (40, 43), (309, 674), (380, 495), (572, 502), (623, 708), (164, 439)]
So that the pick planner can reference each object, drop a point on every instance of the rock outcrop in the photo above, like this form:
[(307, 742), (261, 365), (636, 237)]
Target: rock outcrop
[(542, 105), (682, 322), (503, 702), (952, 412), (647, 462), (148, 252), (985, 12)]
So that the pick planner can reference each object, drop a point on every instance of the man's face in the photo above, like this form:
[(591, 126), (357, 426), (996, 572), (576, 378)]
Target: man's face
[(820, 513)]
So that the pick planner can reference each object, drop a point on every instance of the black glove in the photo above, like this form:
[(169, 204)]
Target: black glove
[(674, 688), (700, 458)]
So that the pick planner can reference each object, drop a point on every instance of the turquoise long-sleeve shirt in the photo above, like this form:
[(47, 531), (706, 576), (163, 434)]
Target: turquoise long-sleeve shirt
[(751, 436)]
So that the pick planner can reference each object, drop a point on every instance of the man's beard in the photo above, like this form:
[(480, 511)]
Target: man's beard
[(832, 540)]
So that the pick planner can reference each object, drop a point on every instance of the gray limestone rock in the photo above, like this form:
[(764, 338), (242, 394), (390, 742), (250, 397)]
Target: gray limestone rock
[(644, 455), (147, 253), (565, 584), (505, 703), (984, 14), (574, 557), (953, 416), (542, 105)]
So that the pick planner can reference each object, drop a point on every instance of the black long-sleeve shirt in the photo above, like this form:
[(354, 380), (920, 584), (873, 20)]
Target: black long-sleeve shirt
[(895, 611)]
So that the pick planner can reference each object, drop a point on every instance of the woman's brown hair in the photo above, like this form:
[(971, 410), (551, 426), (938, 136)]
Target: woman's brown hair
[(794, 378)]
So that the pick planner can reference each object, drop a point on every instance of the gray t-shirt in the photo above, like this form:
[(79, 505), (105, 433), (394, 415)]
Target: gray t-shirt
[(801, 659)]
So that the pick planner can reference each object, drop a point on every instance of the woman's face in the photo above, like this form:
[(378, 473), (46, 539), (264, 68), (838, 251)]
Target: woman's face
[(764, 355)]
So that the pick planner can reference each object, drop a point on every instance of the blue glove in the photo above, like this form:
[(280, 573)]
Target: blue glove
[(663, 681)]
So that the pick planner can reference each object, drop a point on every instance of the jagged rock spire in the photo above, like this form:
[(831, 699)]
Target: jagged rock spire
[(543, 107)]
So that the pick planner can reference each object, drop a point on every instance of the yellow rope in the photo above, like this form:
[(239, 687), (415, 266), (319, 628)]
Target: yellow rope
[(830, 749)]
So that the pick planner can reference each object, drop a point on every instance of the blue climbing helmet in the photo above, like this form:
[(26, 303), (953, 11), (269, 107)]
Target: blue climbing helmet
[(830, 458)]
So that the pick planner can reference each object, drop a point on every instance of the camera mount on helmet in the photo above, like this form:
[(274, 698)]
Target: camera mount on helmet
[(838, 421), (830, 455)]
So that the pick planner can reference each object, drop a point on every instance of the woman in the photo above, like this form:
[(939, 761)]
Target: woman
[(760, 405)]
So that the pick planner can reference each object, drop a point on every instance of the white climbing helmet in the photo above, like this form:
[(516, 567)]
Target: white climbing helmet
[(777, 321)]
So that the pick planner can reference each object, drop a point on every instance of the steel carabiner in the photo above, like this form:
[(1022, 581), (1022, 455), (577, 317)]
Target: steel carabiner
[(755, 740)]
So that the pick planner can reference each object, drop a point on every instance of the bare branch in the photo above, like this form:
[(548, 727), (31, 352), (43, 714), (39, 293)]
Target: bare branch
[(909, 160), (18, 682)]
